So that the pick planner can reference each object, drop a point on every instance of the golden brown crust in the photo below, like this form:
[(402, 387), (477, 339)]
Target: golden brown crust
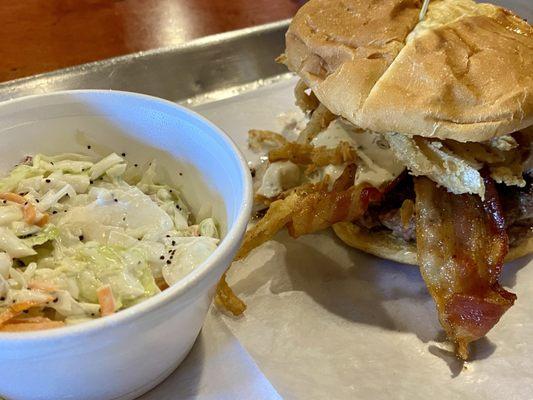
[(464, 74), (329, 40), (385, 245)]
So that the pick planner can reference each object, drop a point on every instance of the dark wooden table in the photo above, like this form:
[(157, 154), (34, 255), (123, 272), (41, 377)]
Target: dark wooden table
[(42, 35)]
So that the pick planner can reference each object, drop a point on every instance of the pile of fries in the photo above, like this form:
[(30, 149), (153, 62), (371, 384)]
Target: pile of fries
[(309, 207)]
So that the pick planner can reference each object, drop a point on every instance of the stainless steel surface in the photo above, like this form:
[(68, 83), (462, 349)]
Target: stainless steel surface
[(201, 71), (212, 64)]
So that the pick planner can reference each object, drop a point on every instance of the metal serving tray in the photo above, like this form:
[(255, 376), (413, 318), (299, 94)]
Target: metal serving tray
[(193, 73), (209, 68)]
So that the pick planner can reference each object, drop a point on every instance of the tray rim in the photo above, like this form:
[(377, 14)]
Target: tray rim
[(200, 42)]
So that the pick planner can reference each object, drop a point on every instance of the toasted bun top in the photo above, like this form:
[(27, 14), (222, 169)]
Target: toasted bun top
[(463, 73)]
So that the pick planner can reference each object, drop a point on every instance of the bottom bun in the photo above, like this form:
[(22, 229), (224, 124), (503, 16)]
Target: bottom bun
[(385, 245)]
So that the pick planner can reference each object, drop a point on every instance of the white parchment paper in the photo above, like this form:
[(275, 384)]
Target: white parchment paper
[(217, 368)]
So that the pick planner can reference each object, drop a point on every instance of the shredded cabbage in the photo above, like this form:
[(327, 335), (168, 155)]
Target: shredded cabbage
[(70, 226)]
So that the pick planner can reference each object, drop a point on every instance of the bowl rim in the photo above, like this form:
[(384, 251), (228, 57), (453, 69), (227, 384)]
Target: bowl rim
[(195, 280)]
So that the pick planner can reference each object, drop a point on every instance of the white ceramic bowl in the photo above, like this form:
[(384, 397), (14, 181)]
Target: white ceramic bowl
[(124, 355)]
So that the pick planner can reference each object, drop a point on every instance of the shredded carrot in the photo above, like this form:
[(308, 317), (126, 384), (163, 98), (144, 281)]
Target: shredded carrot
[(30, 216), (45, 287), (43, 221), (161, 283), (21, 319), (13, 197), (31, 326), (29, 210), (17, 308), (30, 213), (106, 300), (7, 315)]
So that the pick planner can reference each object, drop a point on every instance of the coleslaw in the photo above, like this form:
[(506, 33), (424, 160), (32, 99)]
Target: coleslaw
[(81, 239)]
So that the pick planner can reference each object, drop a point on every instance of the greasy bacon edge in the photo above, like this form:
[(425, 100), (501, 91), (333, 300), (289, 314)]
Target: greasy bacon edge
[(461, 245)]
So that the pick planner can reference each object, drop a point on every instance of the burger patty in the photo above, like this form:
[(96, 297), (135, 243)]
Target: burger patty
[(517, 204)]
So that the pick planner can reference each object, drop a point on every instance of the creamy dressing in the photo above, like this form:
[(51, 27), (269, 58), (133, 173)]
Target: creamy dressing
[(130, 238), (278, 177), (333, 172), (377, 163), (291, 123)]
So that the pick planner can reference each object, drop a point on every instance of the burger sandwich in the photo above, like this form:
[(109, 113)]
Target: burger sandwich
[(416, 147)]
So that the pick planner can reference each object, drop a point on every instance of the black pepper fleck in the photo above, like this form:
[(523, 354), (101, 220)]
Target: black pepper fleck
[(55, 300), (47, 180), (36, 200), (169, 262), (89, 147), (81, 237), (181, 173), (2, 298), (173, 243), (115, 200), (162, 257), (135, 165), (91, 182), (54, 212), (123, 154)]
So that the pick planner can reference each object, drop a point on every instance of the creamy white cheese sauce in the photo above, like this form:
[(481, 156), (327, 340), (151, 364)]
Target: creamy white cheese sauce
[(376, 164), (278, 177)]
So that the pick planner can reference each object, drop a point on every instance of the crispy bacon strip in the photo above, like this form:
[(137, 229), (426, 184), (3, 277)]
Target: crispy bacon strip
[(321, 209), (461, 244)]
